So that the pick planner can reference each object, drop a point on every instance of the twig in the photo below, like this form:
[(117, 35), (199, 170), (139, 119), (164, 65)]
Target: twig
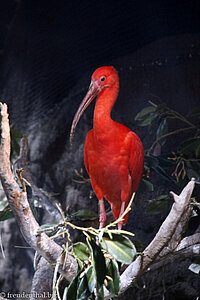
[(175, 115), (89, 230), (168, 134), (84, 180), (19, 173)]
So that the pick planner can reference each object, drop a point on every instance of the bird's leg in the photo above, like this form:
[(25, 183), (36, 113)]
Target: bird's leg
[(102, 218), (121, 212)]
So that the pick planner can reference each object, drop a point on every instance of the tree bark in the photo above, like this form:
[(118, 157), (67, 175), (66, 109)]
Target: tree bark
[(19, 204)]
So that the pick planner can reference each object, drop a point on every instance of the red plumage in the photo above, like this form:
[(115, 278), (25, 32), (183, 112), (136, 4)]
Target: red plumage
[(113, 154)]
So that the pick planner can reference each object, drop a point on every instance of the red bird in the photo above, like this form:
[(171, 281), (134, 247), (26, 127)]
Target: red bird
[(113, 154)]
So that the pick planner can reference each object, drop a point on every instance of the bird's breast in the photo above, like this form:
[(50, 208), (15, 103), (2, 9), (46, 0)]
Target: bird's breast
[(106, 161)]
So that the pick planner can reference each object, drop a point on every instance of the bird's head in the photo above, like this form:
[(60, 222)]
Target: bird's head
[(102, 78)]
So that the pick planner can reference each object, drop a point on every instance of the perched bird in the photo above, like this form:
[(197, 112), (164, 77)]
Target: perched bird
[(113, 154)]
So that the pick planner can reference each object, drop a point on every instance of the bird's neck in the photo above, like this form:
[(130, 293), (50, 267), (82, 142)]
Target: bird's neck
[(102, 122)]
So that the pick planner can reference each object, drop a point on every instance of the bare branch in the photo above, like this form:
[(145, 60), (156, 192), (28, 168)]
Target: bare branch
[(186, 252), (189, 241), (167, 244), (170, 231), (43, 197), (18, 202), (42, 280)]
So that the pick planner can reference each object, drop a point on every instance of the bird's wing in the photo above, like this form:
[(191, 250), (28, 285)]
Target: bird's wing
[(131, 170), (136, 159)]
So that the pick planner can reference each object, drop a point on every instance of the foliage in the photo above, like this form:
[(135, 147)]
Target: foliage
[(5, 210), (195, 266), (98, 258), (181, 161), (85, 214), (99, 265), (16, 136)]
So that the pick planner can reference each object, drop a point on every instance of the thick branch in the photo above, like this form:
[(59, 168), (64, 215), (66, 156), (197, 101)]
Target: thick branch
[(167, 244), (47, 201), (181, 254), (20, 206)]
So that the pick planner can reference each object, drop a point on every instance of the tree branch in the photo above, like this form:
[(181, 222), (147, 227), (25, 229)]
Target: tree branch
[(19, 204), (167, 244), (46, 200)]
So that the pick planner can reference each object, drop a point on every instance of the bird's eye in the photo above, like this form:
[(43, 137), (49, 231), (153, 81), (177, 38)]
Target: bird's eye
[(103, 78)]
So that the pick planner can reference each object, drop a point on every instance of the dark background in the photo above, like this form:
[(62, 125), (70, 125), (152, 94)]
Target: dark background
[(51, 44), (48, 51)]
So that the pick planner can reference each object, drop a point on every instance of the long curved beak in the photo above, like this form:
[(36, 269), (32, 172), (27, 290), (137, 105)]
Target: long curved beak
[(91, 94)]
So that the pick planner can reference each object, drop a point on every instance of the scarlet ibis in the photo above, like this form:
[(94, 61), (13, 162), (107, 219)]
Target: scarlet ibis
[(113, 154)]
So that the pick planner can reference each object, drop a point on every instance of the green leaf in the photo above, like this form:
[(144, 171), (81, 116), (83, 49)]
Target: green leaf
[(144, 112), (100, 292), (152, 127), (120, 247), (146, 116), (81, 251), (83, 291), (70, 292), (65, 294), (147, 121), (192, 169), (16, 134), (197, 152), (195, 268), (34, 211), (85, 214), (113, 272), (191, 173), (163, 196), (161, 172), (151, 161), (47, 225), (165, 162), (91, 279), (147, 185), (190, 147), (156, 207), (3, 203), (15, 140), (6, 213), (162, 108), (98, 261), (162, 129), (92, 296)]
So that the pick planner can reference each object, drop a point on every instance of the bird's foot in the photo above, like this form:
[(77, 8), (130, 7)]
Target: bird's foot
[(102, 221), (102, 218), (120, 225)]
